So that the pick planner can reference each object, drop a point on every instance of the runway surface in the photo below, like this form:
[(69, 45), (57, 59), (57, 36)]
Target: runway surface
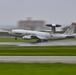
[(39, 59), (44, 59), (50, 43)]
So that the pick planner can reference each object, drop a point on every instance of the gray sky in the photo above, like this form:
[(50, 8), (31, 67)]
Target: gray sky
[(52, 11)]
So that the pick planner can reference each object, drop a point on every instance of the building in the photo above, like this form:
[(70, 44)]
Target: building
[(30, 24), (4, 32)]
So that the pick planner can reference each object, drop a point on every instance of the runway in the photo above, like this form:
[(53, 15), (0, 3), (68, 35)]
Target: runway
[(39, 59), (50, 43)]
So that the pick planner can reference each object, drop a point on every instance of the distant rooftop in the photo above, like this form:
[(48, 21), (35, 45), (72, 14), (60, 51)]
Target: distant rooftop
[(30, 19)]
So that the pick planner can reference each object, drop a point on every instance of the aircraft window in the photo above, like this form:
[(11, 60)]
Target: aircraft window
[(30, 34)]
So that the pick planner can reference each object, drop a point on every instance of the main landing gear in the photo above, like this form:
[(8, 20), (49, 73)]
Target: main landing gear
[(39, 40)]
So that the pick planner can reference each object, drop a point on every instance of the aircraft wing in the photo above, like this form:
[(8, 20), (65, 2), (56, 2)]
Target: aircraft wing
[(36, 37), (41, 37)]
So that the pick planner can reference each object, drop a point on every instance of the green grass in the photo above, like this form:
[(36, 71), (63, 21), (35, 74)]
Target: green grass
[(37, 69), (35, 51), (38, 51), (12, 39)]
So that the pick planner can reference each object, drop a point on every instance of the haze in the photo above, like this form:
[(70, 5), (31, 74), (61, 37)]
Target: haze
[(52, 11)]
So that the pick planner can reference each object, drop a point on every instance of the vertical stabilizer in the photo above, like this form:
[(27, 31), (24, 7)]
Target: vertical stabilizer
[(70, 29)]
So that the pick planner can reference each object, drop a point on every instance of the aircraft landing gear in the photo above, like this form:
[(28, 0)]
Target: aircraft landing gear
[(39, 40), (15, 38)]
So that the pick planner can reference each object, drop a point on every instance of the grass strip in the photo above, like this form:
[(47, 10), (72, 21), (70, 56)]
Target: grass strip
[(37, 69), (38, 50), (12, 39)]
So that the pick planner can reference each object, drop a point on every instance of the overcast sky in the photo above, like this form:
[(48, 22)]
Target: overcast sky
[(52, 11)]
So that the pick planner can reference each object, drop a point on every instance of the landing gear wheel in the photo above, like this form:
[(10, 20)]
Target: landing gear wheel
[(45, 40), (41, 40), (15, 38), (38, 40)]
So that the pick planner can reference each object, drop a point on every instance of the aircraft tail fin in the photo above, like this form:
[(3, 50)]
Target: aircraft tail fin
[(70, 29)]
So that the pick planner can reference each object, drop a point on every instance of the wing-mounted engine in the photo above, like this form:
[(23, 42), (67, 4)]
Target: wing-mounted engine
[(28, 37)]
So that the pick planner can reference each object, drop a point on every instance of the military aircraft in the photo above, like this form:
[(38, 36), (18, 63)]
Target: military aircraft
[(43, 36)]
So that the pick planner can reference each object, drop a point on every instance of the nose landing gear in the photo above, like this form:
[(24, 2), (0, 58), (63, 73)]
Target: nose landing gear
[(15, 38)]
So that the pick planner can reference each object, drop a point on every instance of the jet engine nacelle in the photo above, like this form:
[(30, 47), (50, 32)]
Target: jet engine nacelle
[(27, 37)]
